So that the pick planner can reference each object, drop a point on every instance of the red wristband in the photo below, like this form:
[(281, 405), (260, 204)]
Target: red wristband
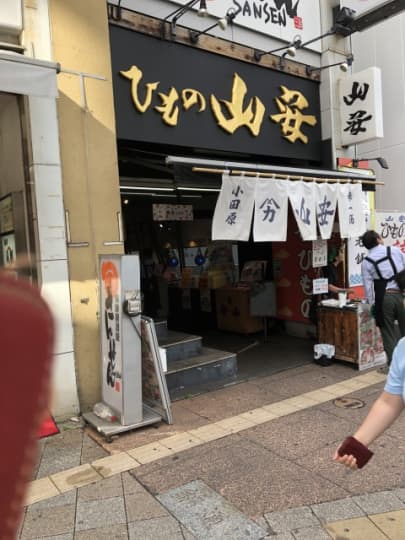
[(353, 447)]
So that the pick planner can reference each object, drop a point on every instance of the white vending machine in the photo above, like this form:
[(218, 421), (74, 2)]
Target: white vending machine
[(127, 341)]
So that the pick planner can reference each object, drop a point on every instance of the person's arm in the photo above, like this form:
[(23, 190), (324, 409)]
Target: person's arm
[(367, 281), (384, 412), (330, 273), (335, 289)]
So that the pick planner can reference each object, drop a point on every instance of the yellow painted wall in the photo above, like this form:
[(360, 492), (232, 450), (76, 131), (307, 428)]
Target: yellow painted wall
[(80, 42)]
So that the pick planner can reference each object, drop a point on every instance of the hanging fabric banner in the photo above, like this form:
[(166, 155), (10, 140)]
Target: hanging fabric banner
[(302, 199), (271, 211), (352, 220), (325, 198), (234, 208)]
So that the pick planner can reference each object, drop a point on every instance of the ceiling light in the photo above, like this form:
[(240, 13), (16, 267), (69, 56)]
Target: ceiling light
[(202, 10), (291, 49), (222, 23), (344, 65)]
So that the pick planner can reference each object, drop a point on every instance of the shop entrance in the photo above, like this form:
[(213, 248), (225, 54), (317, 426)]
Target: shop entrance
[(16, 237), (213, 302)]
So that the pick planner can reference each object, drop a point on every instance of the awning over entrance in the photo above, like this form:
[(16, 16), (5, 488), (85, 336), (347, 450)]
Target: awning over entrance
[(28, 76), (217, 166), (314, 195)]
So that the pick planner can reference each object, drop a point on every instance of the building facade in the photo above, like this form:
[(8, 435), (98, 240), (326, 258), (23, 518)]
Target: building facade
[(68, 154)]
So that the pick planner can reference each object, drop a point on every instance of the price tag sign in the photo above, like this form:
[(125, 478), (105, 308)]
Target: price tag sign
[(320, 286)]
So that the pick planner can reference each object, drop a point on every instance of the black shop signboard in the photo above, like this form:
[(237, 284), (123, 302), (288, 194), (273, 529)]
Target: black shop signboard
[(169, 93)]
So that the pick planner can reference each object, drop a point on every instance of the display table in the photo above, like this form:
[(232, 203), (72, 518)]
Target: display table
[(353, 332), (233, 305)]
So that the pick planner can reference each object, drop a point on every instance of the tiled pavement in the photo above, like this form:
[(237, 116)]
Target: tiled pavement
[(262, 472)]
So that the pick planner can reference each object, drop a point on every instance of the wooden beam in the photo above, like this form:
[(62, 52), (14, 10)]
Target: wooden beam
[(152, 26)]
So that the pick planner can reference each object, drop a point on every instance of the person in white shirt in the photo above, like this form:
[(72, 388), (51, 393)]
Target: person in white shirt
[(378, 270)]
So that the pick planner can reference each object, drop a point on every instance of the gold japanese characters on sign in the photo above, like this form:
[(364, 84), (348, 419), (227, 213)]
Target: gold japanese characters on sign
[(229, 114)]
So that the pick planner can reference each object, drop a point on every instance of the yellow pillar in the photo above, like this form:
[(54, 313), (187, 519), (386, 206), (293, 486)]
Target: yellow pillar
[(80, 43)]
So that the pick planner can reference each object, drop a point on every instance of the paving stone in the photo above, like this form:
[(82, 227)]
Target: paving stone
[(234, 424), (163, 528), (105, 489), (48, 522), (91, 450), (280, 408), (114, 464), (58, 459), (294, 518), (60, 500), (260, 520), (40, 489), (311, 533), (149, 452), (281, 536), (58, 537), (65, 439), (207, 515), (230, 464), (98, 514), (400, 493), (376, 503), (277, 436), (208, 433), (131, 484), (180, 442), (234, 400), (114, 532), (337, 510), (75, 478), (141, 506), (384, 471), (187, 534), (391, 523), (356, 529)]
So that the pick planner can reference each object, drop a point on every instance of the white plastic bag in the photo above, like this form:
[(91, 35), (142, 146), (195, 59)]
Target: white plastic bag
[(324, 349), (103, 411)]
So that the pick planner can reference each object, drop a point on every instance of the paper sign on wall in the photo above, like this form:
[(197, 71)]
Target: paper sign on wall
[(320, 286), (319, 253)]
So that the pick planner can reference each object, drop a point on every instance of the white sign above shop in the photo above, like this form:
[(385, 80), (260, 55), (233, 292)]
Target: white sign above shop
[(360, 104), (283, 19)]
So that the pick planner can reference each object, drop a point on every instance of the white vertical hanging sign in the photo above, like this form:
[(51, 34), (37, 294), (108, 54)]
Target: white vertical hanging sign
[(234, 208), (271, 211), (302, 199), (325, 200), (352, 220), (360, 103)]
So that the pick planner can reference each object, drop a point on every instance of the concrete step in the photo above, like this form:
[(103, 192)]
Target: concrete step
[(209, 366), (161, 328), (180, 346)]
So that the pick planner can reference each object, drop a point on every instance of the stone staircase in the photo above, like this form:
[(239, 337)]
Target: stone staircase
[(191, 365)]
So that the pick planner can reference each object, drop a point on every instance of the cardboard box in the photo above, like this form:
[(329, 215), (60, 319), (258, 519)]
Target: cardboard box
[(233, 311)]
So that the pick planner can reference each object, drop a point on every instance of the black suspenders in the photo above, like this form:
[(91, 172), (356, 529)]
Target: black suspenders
[(387, 257)]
